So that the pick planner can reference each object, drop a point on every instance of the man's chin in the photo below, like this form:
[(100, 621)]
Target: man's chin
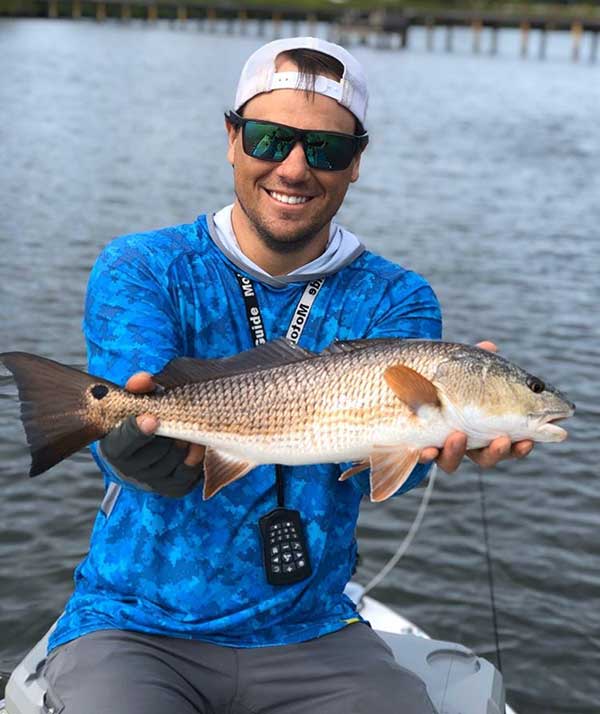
[(285, 244), (284, 235), (286, 240)]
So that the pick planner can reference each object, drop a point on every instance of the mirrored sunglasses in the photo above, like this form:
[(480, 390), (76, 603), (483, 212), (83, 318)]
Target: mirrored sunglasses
[(324, 150)]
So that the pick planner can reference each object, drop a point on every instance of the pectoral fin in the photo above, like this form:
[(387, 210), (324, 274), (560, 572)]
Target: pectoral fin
[(221, 469), (411, 387), (390, 467)]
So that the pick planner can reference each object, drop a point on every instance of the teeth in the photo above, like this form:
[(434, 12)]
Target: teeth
[(288, 199)]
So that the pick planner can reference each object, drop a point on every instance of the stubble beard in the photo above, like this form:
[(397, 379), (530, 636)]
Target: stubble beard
[(293, 243)]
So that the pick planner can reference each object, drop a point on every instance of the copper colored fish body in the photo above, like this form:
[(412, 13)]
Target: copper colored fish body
[(373, 402)]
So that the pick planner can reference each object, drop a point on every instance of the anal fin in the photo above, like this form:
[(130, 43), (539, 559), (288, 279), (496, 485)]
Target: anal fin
[(221, 469), (353, 470), (390, 467)]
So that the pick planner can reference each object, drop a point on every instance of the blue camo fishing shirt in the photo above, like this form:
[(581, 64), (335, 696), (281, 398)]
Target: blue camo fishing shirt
[(191, 568)]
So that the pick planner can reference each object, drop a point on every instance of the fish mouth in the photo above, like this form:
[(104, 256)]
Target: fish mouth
[(548, 429)]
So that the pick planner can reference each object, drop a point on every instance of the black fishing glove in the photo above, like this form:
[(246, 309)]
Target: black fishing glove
[(153, 463)]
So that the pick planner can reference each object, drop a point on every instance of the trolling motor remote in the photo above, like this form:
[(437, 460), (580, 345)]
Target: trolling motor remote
[(284, 547)]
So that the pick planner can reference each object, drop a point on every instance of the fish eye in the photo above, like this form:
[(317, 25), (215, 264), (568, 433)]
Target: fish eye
[(536, 385), (99, 391)]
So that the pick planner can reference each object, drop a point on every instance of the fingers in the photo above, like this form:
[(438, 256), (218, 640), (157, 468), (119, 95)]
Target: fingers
[(455, 448), (520, 449), (195, 455), (489, 456), (487, 345), (147, 423), (452, 452), (499, 450), (124, 440), (428, 454), (140, 382)]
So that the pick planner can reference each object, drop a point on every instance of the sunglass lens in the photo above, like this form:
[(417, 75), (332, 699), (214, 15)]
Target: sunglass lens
[(268, 142), (329, 152)]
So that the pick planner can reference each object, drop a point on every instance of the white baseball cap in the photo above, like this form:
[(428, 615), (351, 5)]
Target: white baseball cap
[(259, 75)]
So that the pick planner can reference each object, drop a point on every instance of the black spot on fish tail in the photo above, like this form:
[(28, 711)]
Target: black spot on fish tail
[(99, 391)]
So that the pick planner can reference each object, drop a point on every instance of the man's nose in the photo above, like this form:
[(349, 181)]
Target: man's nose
[(294, 167)]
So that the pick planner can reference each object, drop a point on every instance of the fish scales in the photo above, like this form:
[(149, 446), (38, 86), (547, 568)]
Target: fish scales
[(326, 407)]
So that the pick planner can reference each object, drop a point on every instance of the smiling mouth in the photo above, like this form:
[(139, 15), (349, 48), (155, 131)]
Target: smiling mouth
[(287, 199)]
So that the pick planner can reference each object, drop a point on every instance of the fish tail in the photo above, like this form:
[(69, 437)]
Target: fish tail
[(53, 407)]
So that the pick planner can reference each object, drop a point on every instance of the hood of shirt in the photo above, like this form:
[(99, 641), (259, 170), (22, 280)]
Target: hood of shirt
[(342, 248)]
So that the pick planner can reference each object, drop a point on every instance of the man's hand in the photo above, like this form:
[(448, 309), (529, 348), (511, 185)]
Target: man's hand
[(155, 463), (142, 383), (455, 446)]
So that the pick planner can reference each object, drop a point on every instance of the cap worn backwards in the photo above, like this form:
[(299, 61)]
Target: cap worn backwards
[(259, 75)]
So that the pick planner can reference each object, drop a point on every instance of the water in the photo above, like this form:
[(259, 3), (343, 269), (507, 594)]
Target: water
[(482, 174)]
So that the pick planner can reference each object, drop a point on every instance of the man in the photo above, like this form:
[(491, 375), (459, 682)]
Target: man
[(175, 609)]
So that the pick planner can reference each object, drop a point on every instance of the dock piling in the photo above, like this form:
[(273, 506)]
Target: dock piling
[(404, 37), (449, 43), (476, 27), (430, 30), (211, 19), (243, 21), (525, 27), (276, 22), (543, 42), (576, 33), (494, 40)]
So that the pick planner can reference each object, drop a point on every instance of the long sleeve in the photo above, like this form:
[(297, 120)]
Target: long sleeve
[(129, 322)]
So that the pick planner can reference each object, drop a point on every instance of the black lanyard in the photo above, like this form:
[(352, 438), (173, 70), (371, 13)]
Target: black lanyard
[(259, 334), (285, 549)]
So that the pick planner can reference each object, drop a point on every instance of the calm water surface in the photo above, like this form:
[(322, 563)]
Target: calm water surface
[(482, 175)]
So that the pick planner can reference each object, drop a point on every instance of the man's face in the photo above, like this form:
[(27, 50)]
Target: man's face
[(262, 187)]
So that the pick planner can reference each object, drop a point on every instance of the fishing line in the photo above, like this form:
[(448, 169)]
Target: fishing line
[(490, 571), (408, 539)]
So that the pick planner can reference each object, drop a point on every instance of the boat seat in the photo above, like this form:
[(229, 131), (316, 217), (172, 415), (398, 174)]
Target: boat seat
[(457, 680)]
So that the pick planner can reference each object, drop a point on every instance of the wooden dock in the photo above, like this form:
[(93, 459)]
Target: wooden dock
[(377, 28), (388, 23)]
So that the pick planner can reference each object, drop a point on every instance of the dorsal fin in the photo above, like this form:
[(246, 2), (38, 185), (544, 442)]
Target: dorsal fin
[(186, 370), (340, 346)]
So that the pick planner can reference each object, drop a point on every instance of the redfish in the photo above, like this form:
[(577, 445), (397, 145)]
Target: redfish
[(376, 403)]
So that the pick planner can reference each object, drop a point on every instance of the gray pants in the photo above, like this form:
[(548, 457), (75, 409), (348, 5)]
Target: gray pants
[(351, 671)]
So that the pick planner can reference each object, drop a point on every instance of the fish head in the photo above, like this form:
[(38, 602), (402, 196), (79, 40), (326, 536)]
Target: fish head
[(542, 405), (503, 396)]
